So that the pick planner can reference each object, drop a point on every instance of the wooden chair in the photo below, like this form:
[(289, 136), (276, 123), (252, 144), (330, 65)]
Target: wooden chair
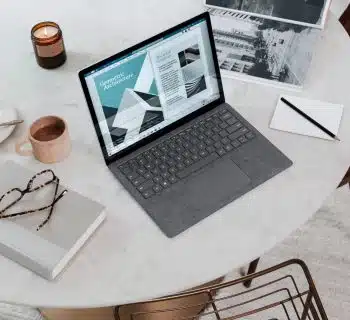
[(345, 19), (346, 180)]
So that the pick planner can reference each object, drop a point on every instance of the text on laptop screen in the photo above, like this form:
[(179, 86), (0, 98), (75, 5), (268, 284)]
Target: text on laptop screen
[(147, 90)]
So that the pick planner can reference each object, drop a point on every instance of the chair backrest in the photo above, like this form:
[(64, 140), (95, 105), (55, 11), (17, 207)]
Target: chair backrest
[(280, 291), (345, 19)]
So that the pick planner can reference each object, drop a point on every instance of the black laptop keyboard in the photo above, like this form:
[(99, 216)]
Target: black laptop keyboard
[(188, 151)]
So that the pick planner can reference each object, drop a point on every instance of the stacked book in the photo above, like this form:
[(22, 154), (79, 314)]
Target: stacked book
[(267, 41)]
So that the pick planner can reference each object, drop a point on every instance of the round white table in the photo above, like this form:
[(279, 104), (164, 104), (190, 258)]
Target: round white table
[(129, 259)]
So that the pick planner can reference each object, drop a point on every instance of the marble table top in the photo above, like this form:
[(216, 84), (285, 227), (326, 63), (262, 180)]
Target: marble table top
[(129, 259)]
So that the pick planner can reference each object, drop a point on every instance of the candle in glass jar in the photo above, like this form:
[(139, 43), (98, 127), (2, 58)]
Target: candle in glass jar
[(45, 32), (48, 45)]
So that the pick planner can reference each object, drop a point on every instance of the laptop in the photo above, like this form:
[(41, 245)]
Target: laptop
[(167, 133)]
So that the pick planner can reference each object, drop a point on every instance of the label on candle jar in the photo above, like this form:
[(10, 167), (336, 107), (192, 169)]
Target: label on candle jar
[(50, 50)]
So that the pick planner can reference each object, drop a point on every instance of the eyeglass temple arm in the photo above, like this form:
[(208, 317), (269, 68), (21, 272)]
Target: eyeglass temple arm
[(51, 209)]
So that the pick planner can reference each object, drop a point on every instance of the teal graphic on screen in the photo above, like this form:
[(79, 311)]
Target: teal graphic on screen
[(129, 97)]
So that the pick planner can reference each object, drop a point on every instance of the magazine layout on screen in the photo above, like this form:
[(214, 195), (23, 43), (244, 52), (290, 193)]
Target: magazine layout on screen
[(153, 87)]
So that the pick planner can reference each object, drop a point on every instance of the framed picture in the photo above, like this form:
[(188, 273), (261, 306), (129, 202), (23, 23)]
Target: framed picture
[(263, 50), (310, 13)]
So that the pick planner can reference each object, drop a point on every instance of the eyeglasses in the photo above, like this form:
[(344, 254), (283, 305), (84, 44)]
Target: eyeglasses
[(37, 182)]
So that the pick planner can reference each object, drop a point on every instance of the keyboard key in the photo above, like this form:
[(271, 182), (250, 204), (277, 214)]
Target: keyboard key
[(157, 179), (149, 158), (155, 171), (149, 166), (132, 176), (180, 166), (165, 184), (203, 153), (178, 158), (170, 162), (178, 141), (242, 139), (186, 154), (157, 188), (147, 175), (145, 186), (142, 162), (172, 169), (238, 133), (195, 157), (188, 162), (186, 145), (234, 127), (125, 169), (223, 125), (165, 174), (225, 140), (201, 137), (179, 149), (201, 145), (250, 135), (162, 167), (216, 129), (132, 163), (226, 116), (221, 151), (136, 182), (172, 154), (194, 150), (232, 120), (217, 121), (217, 145), (210, 149), (196, 166), (208, 142), (216, 137), (141, 171), (228, 147), (223, 133), (245, 130), (172, 179), (208, 133), (223, 111), (163, 148), (147, 194), (235, 143)]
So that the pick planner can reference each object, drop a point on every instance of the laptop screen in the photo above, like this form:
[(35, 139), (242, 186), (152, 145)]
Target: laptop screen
[(150, 88)]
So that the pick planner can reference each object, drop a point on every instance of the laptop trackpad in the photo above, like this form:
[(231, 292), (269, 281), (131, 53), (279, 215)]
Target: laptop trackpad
[(205, 192), (221, 180)]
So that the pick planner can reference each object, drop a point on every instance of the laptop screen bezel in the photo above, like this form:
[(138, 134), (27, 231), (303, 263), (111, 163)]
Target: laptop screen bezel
[(83, 73)]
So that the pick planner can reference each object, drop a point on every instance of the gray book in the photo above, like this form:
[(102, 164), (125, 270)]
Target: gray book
[(47, 251)]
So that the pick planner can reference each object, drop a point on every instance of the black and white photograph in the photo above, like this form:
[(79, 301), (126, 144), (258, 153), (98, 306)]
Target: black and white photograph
[(262, 48), (308, 12), (189, 55), (192, 70)]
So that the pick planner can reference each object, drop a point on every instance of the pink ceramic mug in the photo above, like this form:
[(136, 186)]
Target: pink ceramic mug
[(49, 140)]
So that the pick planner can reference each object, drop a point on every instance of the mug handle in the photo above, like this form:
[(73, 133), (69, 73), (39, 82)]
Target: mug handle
[(21, 148)]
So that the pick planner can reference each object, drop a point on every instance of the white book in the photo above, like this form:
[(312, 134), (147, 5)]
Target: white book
[(48, 250), (327, 114)]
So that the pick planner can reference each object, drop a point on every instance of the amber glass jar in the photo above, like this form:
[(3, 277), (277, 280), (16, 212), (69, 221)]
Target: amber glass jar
[(48, 45)]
